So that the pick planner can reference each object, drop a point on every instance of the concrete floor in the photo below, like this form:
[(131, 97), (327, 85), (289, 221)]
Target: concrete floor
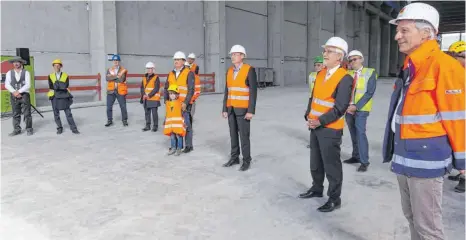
[(117, 183)]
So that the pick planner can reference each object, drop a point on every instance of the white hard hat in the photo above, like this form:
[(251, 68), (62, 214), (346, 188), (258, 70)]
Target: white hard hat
[(355, 53), (187, 63), (239, 49), (192, 55), (337, 42), (418, 11), (150, 65), (179, 55)]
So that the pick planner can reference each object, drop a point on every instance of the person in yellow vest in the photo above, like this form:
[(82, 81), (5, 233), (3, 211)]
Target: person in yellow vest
[(325, 111), (174, 125), (239, 105), (60, 96), (182, 77), (364, 85), (150, 97), (318, 65), (116, 90)]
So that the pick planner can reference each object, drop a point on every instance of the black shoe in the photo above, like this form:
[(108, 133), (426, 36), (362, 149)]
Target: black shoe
[(109, 123), (125, 123), (460, 187), (245, 166), (155, 128), (14, 133), (30, 132), (75, 131), (59, 130), (363, 167), (187, 149), (310, 194), (454, 178), (231, 162), (351, 160), (147, 128), (329, 206)]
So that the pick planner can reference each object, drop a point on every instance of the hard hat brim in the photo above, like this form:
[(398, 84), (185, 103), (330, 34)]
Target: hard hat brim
[(344, 52), (17, 59)]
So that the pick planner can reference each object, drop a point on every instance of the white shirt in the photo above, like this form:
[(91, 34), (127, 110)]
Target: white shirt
[(27, 81), (331, 71), (177, 72), (58, 75), (396, 109)]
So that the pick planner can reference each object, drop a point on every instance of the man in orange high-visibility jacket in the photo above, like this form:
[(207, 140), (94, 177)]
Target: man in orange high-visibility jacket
[(325, 114), (425, 131), (116, 90), (184, 79), (150, 97), (239, 105), (193, 67)]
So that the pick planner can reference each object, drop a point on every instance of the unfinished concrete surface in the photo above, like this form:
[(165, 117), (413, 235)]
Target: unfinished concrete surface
[(117, 183)]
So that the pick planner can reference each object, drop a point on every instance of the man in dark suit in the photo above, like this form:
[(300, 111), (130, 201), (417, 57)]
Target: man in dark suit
[(239, 105)]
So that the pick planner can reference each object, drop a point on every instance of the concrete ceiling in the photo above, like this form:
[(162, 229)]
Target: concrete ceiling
[(452, 15)]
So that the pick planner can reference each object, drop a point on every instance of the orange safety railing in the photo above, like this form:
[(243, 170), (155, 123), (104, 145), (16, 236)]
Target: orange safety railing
[(96, 87), (207, 83)]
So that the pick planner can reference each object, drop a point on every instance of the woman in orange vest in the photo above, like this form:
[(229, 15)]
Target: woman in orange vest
[(150, 96), (174, 125)]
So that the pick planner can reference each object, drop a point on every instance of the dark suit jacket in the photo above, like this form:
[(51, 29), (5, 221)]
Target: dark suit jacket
[(251, 82)]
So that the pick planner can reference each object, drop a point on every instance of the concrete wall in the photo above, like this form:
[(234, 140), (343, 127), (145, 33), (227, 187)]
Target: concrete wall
[(280, 35)]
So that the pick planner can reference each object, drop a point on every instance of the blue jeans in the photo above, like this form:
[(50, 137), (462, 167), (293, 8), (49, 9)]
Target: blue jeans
[(176, 141), (357, 128)]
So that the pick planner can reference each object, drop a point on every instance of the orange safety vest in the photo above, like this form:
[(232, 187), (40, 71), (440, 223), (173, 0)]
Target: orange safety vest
[(197, 88), (181, 82), (149, 86), (121, 87), (174, 122), (322, 99), (193, 68), (238, 91)]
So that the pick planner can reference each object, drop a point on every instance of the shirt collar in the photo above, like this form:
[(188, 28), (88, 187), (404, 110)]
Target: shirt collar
[(237, 69), (360, 69), (181, 69), (333, 70), (423, 52)]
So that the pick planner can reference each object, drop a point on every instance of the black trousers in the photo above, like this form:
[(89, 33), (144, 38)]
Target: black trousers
[(237, 124), (155, 116), (325, 161), (111, 97), (69, 116), (23, 105)]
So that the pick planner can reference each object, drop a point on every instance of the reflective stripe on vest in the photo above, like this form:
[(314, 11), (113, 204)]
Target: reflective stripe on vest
[(122, 87), (238, 91), (312, 79), (174, 122), (148, 87), (361, 87), (53, 78), (322, 99), (181, 82)]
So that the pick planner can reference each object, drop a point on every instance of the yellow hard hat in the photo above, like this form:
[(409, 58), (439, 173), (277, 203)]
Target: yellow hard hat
[(173, 88), (57, 61), (457, 47)]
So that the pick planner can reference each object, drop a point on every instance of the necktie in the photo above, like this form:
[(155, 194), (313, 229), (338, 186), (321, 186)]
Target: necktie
[(355, 80)]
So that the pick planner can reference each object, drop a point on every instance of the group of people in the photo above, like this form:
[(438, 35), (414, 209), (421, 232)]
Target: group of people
[(425, 130), (424, 134)]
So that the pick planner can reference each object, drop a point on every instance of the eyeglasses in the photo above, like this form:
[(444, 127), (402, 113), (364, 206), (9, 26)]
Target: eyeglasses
[(329, 51)]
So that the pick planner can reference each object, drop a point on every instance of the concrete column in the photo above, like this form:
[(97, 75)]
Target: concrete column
[(385, 50), (360, 39), (393, 52), (374, 46), (103, 37), (215, 42), (340, 19), (275, 43), (314, 39)]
